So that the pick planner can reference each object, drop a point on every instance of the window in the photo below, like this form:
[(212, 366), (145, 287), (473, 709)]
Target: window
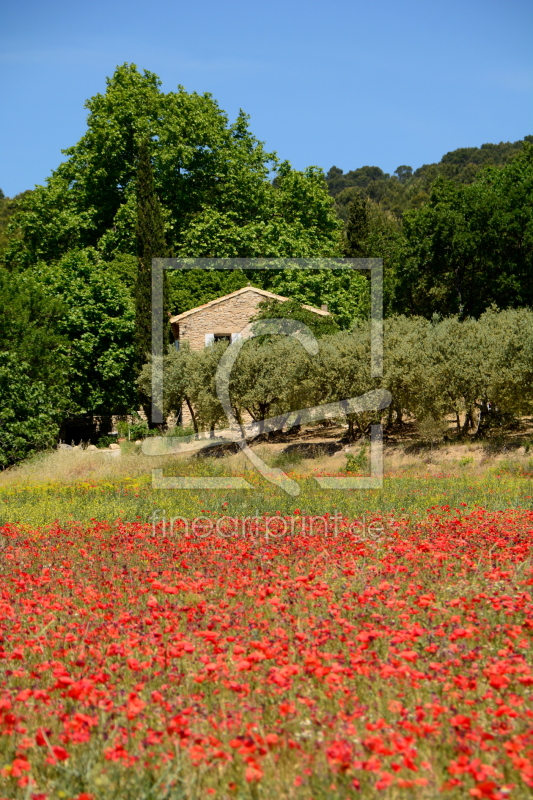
[(212, 338)]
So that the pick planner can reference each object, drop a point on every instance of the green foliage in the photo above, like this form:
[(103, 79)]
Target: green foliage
[(35, 394), (29, 415), (269, 378), (47, 224), (29, 327), (342, 370), (122, 428), (357, 228), (292, 309), (123, 268), (403, 173), (192, 288), (8, 206), (139, 430), (293, 217), (372, 232), (287, 461), (166, 173), (150, 244), (357, 462), (179, 431), (433, 369), (98, 320), (211, 177), (105, 441), (189, 377), (345, 292), (470, 246), (407, 189)]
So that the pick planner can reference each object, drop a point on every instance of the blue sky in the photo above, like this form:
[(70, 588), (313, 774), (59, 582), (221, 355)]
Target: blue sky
[(345, 83)]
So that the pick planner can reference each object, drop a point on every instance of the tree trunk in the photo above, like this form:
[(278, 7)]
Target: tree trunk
[(193, 416), (468, 422)]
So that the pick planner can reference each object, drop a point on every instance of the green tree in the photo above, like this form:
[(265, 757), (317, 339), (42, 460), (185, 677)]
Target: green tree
[(268, 378), (292, 309), (372, 232), (192, 288), (407, 369), (150, 244), (29, 416), (34, 367), (508, 359), (98, 320), (293, 217), (403, 173), (8, 207), (470, 246), (357, 228), (30, 327), (408, 189), (345, 292), (341, 370), (211, 177), (189, 377)]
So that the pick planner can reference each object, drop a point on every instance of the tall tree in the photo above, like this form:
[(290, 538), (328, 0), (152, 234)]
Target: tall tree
[(470, 246), (357, 228), (212, 177), (35, 390), (97, 318), (151, 243)]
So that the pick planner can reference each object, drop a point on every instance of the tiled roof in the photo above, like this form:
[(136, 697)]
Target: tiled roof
[(266, 295)]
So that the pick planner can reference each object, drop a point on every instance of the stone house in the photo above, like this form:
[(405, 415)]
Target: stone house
[(224, 318)]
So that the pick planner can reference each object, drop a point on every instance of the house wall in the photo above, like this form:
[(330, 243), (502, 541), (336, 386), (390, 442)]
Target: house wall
[(228, 316)]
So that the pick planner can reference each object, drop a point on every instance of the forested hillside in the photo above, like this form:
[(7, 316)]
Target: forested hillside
[(408, 188)]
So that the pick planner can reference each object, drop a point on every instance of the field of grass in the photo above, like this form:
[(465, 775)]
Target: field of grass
[(73, 486)]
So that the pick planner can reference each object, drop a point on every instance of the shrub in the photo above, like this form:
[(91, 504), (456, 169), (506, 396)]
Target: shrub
[(287, 460), (357, 462), (29, 417), (105, 441)]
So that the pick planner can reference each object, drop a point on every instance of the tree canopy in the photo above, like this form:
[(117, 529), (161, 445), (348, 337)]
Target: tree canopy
[(212, 179), (470, 246), (408, 188), (35, 392)]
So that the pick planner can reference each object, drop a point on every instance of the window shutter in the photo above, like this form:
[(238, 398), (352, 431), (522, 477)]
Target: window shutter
[(235, 337), (177, 344), (209, 339)]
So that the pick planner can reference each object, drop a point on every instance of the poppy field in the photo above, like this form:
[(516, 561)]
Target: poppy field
[(269, 660)]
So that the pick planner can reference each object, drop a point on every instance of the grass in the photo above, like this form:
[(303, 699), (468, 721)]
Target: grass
[(67, 486)]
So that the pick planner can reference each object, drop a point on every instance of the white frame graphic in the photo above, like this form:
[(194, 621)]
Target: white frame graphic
[(375, 400)]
